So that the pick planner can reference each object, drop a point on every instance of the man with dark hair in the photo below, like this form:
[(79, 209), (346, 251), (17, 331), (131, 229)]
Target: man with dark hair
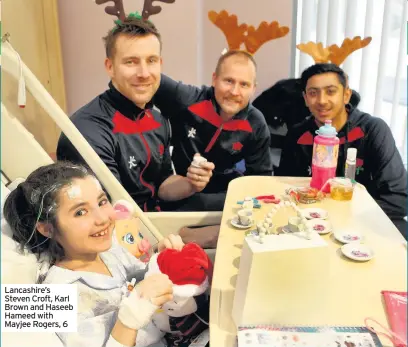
[(379, 164), (126, 132), (283, 105), (218, 122)]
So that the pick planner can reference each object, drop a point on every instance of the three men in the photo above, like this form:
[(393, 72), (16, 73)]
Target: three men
[(219, 123)]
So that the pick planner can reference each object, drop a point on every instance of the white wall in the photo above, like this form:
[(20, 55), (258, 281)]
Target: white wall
[(191, 43)]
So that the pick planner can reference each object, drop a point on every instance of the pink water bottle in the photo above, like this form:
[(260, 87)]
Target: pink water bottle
[(325, 154)]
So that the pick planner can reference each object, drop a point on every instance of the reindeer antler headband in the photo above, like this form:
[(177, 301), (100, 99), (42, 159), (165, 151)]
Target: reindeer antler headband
[(251, 37), (118, 10), (333, 53)]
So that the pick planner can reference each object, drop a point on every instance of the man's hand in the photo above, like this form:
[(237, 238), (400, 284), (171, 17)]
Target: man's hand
[(172, 242), (199, 177), (206, 237)]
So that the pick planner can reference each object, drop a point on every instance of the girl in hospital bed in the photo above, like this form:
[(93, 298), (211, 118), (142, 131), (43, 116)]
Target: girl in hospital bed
[(62, 212)]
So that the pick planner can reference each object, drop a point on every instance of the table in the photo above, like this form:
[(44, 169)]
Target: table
[(355, 288)]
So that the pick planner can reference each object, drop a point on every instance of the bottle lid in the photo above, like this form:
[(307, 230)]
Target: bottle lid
[(327, 129), (352, 154)]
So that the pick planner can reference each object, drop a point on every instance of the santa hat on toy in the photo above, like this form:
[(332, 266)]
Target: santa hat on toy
[(189, 269)]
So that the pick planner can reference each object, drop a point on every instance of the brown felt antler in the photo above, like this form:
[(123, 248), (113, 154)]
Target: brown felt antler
[(116, 10), (251, 37), (339, 54), (265, 32), (149, 9), (333, 53), (319, 53), (234, 33)]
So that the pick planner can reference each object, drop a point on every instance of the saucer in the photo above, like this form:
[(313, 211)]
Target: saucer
[(235, 223), (357, 251), (286, 230), (348, 236), (315, 213), (321, 226)]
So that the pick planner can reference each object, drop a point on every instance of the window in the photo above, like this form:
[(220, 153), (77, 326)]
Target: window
[(378, 71)]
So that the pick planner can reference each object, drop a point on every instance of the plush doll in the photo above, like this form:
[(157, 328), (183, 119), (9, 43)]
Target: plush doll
[(186, 316), (127, 233)]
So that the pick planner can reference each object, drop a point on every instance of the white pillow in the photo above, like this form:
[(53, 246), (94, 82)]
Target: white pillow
[(16, 267), (4, 192)]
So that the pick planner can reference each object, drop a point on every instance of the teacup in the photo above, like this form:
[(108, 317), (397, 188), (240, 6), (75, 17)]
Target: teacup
[(248, 203), (293, 224), (245, 216)]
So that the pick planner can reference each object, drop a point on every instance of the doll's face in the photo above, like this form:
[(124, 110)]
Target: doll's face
[(131, 243), (180, 307), (128, 236)]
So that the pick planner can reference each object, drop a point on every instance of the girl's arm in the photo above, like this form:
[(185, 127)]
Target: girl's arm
[(137, 309), (135, 312), (122, 336)]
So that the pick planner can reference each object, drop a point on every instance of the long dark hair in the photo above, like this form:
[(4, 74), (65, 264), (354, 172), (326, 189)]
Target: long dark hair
[(36, 200)]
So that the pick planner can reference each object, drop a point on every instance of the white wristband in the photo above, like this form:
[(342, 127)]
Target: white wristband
[(136, 312)]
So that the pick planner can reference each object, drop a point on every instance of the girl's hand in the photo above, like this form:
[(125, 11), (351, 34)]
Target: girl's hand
[(158, 289), (137, 309), (171, 242)]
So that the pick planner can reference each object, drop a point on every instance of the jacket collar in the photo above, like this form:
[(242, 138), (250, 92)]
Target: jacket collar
[(353, 115), (350, 132), (123, 104)]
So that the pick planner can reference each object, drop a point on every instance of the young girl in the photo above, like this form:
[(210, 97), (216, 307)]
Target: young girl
[(61, 211)]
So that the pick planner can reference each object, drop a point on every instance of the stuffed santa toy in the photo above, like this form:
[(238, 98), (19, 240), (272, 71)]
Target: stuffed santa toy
[(186, 316)]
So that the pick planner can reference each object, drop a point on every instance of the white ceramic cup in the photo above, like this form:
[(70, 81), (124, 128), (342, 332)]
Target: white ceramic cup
[(248, 204), (245, 216), (293, 224)]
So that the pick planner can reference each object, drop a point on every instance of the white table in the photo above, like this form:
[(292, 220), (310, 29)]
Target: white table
[(355, 288)]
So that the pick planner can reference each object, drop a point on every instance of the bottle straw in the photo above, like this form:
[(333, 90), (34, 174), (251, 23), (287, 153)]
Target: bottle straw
[(324, 186)]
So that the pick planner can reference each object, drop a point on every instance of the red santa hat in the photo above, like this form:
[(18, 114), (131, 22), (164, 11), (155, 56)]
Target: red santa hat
[(189, 269)]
